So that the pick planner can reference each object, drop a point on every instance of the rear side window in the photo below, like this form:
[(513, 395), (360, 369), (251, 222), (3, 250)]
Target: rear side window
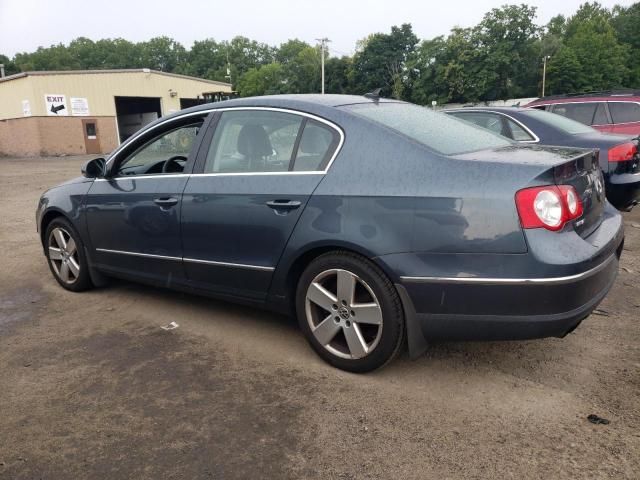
[(518, 133), (624, 112), (580, 112), (253, 141), (317, 143), (438, 131), (562, 123)]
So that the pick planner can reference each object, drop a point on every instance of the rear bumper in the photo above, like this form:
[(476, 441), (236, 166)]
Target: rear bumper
[(517, 311), (545, 292)]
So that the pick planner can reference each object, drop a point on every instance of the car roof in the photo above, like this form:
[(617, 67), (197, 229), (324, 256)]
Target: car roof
[(487, 109), (294, 101), (596, 97)]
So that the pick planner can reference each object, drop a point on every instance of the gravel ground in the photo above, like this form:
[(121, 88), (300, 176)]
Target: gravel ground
[(92, 387)]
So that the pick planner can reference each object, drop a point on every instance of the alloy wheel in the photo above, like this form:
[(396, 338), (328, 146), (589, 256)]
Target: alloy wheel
[(63, 255), (343, 313)]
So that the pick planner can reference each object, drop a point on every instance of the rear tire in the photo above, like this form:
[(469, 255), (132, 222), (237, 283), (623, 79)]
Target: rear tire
[(66, 256), (350, 312)]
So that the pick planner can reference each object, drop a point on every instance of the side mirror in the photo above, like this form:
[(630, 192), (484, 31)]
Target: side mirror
[(95, 168)]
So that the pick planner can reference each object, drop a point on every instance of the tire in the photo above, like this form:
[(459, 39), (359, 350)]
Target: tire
[(362, 331), (66, 256)]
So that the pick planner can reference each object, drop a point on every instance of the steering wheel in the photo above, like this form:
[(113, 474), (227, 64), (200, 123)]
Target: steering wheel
[(173, 164)]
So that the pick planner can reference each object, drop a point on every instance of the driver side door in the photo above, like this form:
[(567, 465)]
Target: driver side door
[(133, 215)]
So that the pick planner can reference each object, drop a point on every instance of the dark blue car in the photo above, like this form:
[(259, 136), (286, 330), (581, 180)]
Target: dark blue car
[(618, 154), (372, 221)]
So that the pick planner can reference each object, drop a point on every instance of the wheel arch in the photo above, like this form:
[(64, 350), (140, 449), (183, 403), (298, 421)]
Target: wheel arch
[(46, 219), (289, 276)]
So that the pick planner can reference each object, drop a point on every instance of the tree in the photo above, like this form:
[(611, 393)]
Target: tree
[(263, 80), (383, 60), (564, 72), (162, 53), (507, 37), (10, 68)]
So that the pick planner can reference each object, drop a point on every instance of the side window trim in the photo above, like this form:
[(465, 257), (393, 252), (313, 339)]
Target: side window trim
[(296, 145), (142, 139), (207, 138)]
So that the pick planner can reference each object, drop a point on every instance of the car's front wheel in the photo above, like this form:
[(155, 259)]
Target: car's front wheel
[(65, 254), (350, 312)]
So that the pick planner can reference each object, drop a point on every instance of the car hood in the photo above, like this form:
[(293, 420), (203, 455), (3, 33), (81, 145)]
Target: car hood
[(72, 181)]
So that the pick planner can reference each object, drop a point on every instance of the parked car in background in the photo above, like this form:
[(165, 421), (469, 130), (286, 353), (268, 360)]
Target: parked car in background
[(619, 157), (609, 112), (362, 216)]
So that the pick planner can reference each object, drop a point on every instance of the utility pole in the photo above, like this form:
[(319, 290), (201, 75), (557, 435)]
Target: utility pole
[(323, 42), (544, 71), (228, 75)]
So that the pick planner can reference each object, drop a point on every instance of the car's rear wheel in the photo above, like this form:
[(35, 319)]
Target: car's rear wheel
[(350, 312), (65, 254)]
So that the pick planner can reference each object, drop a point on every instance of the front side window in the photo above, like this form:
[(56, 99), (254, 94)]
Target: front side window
[(440, 132), (580, 112), (254, 141), (624, 112), (165, 153)]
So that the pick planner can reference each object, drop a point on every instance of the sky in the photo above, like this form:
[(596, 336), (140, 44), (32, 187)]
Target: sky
[(27, 24)]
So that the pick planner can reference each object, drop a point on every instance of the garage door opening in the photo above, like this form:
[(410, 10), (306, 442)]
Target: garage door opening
[(133, 113)]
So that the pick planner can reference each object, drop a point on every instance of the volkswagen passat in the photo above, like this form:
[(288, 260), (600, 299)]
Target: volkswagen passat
[(371, 220)]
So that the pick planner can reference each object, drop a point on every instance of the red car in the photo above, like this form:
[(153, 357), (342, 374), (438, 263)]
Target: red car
[(609, 112)]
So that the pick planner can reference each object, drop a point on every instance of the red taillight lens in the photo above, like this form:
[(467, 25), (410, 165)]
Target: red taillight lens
[(548, 207), (623, 153)]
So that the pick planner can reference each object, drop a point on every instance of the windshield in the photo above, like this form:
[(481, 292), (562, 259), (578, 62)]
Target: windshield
[(438, 131), (558, 121)]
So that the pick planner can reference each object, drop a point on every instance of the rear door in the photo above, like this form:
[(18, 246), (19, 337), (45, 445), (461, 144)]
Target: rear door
[(255, 174)]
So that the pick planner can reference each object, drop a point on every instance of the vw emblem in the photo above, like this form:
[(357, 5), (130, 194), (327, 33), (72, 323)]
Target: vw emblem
[(599, 187)]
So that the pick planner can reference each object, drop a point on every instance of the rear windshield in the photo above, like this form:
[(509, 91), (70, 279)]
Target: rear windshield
[(558, 121), (438, 131)]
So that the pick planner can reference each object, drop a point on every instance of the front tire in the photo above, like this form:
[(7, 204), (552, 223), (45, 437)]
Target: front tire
[(350, 312), (66, 257)]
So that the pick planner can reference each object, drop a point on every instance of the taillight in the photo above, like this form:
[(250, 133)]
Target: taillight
[(548, 207), (623, 152)]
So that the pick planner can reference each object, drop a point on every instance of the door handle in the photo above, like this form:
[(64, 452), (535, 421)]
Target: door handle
[(165, 202), (283, 204)]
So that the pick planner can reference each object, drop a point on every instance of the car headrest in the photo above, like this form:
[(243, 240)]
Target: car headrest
[(253, 141)]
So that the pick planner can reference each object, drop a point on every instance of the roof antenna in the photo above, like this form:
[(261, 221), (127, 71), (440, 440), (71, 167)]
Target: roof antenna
[(375, 95)]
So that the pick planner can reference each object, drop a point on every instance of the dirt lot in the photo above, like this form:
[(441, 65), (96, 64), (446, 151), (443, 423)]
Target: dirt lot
[(92, 387)]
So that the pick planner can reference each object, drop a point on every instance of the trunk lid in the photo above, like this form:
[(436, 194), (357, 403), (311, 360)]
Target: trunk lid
[(584, 174), (577, 167)]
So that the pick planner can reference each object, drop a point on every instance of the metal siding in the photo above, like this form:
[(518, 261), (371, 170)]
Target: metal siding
[(99, 89)]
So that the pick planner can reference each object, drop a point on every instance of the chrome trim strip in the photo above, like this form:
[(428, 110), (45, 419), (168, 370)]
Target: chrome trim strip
[(511, 281), (191, 260), (271, 109), (228, 264), (136, 254)]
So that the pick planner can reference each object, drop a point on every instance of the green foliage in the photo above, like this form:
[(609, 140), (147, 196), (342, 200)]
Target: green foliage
[(499, 58), (382, 62), (265, 80)]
